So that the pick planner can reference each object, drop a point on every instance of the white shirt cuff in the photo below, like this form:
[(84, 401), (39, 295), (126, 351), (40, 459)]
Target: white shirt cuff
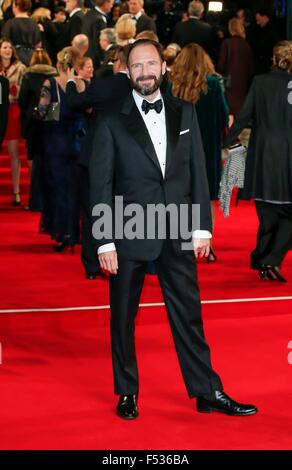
[(202, 234), (105, 248), (71, 80)]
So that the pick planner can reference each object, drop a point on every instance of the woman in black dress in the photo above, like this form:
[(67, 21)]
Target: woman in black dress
[(61, 148), (40, 68), (23, 32)]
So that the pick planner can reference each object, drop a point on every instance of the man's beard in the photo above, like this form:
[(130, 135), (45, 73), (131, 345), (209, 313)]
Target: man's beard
[(146, 90)]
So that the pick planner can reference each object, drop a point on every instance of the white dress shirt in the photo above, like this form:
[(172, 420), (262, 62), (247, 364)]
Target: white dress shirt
[(156, 126), (137, 16)]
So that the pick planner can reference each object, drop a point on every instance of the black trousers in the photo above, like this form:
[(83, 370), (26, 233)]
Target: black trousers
[(88, 248), (274, 236), (178, 279)]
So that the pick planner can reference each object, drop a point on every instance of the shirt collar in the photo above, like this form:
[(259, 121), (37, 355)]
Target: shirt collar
[(101, 12), (137, 16), (74, 11)]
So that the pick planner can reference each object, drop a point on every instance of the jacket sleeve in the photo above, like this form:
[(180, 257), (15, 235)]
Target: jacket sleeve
[(78, 101), (221, 66), (246, 114), (200, 187), (24, 98), (101, 177)]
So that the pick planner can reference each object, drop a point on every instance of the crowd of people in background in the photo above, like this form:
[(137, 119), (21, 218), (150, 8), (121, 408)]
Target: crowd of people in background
[(65, 62)]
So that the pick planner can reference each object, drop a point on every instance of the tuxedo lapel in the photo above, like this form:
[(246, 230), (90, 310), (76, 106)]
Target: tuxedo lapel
[(173, 121), (138, 130)]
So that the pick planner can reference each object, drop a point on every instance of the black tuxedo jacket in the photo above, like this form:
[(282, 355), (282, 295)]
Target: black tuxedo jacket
[(93, 23), (124, 163), (4, 103), (196, 31), (145, 23), (74, 25)]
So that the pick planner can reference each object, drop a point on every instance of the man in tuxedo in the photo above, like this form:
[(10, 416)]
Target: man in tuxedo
[(94, 21), (107, 42), (143, 22), (4, 103), (103, 94), (74, 23), (195, 30), (150, 153)]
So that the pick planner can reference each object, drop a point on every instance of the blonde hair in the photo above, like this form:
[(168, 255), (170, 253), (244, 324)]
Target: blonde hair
[(189, 73), (236, 28), (282, 56), (41, 14), (67, 57), (125, 29)]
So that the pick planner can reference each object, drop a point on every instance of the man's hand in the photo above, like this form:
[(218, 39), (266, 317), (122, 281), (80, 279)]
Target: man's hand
[(109, 261), (201, 247)]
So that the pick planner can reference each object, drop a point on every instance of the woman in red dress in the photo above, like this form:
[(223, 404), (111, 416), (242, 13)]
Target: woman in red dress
[(13, 70)]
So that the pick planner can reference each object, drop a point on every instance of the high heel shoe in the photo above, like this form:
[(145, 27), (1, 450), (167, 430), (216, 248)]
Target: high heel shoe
[(271, 273), (211, 258), (64, 244), (16, 199)]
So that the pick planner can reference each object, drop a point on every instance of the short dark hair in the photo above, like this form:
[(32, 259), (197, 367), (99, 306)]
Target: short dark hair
[(145, 42), (263, 12), (120, 52), (23, 5)]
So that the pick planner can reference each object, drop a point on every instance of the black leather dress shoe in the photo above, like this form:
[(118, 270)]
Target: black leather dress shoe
[(224, 404), (127, 407), (271, 273)]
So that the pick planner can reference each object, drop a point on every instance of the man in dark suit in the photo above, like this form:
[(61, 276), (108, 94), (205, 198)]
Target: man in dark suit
[(103, 94), (150, 153), (74, 23), (94, 21), (4, 103), (143, 22), (195, 30)]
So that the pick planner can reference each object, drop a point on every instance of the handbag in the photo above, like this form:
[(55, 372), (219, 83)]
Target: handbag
[(53, 112), (47, 110), (227, 77)]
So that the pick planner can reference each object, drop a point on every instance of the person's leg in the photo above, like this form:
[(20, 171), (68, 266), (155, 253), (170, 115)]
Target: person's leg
[(268, 222), (178, 279), (15, 164), (125, 291), (282, 236)]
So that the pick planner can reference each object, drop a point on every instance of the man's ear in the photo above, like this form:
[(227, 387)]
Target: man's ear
[(128, 73), (163, 67)]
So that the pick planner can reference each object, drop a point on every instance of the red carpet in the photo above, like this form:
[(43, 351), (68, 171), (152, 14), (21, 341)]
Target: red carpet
[(56, 379)]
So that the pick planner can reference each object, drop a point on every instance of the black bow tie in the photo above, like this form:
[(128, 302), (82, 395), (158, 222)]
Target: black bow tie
[(157, 105)]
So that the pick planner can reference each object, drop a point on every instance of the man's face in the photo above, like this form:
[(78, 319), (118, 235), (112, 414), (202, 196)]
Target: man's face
[(261, 20), (107, 6), (71, 5), (134, 6), (103, 42), (146, 69), (60, 17)]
